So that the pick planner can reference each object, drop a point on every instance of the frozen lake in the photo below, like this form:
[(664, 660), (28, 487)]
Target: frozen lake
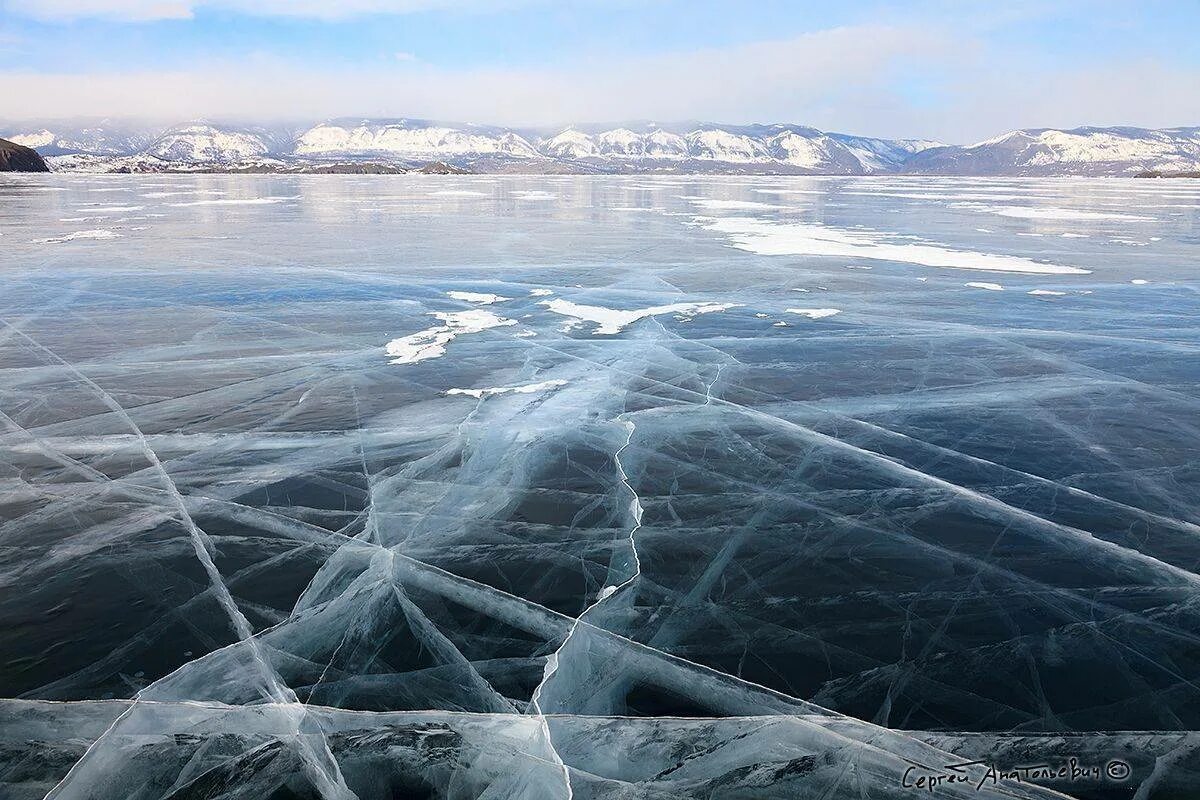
[(596, 487)]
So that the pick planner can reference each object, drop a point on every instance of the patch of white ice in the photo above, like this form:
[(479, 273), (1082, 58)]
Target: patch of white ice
[(482, 298), (1046, 292), (70, 237), (730, 205), (251, 201), (794, 238), (160, 195), (529, 388), (814, 313), (1027, 212), (612, 321), (991, 287), (431, 342)]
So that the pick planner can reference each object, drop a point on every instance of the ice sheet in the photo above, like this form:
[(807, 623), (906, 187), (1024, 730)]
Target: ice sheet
[(736, 546)]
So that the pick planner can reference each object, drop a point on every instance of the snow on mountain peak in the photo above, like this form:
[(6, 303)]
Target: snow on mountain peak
[(201, 143), (402, 139), (697, 147), (1080, 151), (42, 138)]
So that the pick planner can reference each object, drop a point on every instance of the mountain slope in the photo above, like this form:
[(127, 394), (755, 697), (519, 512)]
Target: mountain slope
[(697, 147), (409, 139), (201, 143), (704, 147), (101, 137), (1080, 151), (18, 158)]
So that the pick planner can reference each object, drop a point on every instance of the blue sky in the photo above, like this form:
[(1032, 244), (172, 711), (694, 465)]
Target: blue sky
[(957, 71)]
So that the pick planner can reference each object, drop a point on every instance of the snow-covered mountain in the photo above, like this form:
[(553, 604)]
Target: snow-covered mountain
[(101, 137), (707, 147), (19, 158), (642, 147), (696, 147), (1080, 151), (201, 143), (410, 139)]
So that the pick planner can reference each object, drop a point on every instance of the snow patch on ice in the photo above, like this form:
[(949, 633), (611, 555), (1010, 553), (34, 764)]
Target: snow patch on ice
[(70, 237), (814, 313), (611, 321), (529, 388), (160, 195), (111, 209), (431, 342), (251, 201), (795, 238), (477, 297), (1027, 212), (729, 205)]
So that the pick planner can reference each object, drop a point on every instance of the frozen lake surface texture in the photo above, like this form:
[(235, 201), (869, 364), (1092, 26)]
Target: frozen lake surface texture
[(598, 487)]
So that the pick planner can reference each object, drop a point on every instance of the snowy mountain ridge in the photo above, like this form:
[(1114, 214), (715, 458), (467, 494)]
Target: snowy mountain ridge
[(1079, 151), (640, 147)]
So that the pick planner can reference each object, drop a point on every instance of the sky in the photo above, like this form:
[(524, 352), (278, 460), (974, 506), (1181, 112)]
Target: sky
[(953, 70)]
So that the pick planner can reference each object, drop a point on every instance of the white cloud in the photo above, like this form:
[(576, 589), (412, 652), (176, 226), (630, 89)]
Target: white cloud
[(150, 10), (844, 79), (129, 10), (792, 79), (1146, 94)]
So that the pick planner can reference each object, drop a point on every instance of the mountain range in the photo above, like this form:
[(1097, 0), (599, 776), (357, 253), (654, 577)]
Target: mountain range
[(401, 144)]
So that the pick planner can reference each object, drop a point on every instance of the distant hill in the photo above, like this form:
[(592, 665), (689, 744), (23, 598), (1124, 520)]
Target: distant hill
[(1080, 151), (18, 158), (399, 145)]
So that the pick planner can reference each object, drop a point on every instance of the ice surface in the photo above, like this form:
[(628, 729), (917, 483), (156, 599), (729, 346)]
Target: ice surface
[(289, 510)]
